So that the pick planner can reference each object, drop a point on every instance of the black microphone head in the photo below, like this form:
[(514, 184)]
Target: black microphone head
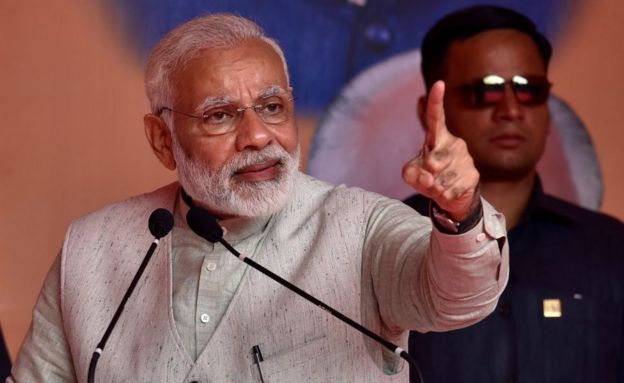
[(204, 224), (160, 222)]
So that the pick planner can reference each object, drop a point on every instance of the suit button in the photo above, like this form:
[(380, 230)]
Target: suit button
[(505, 310)]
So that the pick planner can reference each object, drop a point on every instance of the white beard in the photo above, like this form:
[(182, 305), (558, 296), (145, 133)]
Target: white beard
[(220, 192)]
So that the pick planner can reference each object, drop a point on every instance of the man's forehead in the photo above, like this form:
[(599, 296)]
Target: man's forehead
[(242, 73), (224, 57), (482, 53)]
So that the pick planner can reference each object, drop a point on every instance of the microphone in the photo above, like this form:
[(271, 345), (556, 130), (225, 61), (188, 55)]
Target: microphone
[(160, 224), (204, 224)]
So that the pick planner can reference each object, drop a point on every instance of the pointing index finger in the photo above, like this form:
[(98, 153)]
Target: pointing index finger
[(435, 115)]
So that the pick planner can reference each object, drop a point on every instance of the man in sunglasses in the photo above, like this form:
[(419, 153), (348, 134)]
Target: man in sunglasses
[(560, 318)]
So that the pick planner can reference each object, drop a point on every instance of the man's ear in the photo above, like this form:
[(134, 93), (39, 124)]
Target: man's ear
[(159, 137), (422, 110)]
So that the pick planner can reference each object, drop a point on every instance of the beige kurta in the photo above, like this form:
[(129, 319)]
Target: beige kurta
[(371, 258)]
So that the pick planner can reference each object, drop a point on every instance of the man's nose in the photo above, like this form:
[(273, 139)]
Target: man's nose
[(252, 132), (509, 108)]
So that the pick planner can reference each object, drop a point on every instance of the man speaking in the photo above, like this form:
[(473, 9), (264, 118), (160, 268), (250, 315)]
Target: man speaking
[(222, 114)]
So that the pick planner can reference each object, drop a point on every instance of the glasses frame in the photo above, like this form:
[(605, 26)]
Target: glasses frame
[(240, 111), (473, 93)]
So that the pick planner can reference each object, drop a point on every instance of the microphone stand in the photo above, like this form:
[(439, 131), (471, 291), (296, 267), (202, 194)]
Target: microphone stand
[(386, 343), (206, 226), (160, 224), (100, 346)]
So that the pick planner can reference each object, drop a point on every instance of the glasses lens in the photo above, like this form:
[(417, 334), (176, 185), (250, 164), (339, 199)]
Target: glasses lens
[(274, 110), (480, 95), (486, 95), (489, 90), (531, 90), (219, 120)]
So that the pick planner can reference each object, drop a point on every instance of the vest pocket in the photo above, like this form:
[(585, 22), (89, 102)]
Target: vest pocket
[(291, 364)]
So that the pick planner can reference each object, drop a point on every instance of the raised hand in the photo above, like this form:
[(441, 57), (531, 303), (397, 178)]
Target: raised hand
[(443, 170)]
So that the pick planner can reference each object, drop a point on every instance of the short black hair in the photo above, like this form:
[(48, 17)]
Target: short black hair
[(468, 22)]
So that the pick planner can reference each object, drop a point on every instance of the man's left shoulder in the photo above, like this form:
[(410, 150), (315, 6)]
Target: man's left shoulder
[(583, 217), (308, 186), (345, 200)]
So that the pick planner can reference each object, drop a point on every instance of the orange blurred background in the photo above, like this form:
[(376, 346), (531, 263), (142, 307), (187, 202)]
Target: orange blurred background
[(71, 108)]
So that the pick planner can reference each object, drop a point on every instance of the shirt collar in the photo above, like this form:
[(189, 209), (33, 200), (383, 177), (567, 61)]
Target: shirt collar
[(545, 207)]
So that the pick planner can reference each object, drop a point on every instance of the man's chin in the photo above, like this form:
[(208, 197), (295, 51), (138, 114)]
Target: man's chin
[(263, 198), (256, 209), (506, 174), (246, 188)]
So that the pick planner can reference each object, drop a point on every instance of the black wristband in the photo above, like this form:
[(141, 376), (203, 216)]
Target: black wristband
[(447, 225)]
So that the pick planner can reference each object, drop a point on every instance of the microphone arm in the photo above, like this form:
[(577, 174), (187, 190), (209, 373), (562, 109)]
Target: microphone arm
[(206, 226), (160, 224), (389, 345)]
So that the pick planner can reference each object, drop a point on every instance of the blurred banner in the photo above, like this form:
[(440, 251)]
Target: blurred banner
[(326, 42), (72, 99)]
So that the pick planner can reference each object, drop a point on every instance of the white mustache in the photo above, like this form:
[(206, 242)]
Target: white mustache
[(248, 158)]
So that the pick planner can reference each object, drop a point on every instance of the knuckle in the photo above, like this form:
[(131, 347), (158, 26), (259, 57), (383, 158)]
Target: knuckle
[(447, 178), (462, 144), (440, 154)]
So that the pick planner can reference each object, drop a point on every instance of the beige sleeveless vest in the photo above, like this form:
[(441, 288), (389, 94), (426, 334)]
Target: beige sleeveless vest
[(299, 341)]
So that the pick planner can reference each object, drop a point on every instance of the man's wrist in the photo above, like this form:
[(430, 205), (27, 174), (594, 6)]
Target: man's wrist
[(448, 225)]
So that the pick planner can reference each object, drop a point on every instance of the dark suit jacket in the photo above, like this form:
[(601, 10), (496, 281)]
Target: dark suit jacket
[(5, 361), (563, 259)]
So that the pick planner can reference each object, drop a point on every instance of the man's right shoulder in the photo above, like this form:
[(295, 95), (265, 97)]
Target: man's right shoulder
[(138, 205)]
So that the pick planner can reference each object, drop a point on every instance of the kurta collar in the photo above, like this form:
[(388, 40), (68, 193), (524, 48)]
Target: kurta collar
[(235, 229)]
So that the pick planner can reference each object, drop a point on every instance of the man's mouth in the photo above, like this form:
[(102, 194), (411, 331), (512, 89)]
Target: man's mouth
[(508, 141), (262, 171)]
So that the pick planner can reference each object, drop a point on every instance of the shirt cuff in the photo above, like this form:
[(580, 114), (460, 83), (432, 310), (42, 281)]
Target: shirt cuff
[(491, 226)]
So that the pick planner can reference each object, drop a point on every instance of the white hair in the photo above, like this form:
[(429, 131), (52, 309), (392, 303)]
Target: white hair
[(186, 41)]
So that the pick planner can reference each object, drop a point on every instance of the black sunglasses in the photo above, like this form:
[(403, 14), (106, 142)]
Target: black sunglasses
[(490, 90)]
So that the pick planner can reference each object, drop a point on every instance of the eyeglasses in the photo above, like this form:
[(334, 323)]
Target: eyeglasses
[(224, 118), (490, 90)]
